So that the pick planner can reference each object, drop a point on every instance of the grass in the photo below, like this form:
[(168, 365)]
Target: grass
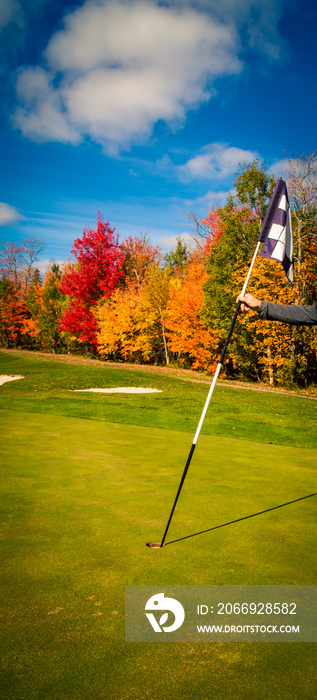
[(261, 416), (88, 479)]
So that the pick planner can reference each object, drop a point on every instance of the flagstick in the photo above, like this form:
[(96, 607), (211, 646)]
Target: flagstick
[(219, 365)]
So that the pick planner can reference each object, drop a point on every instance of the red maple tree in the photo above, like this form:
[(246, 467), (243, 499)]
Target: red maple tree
[(95, 274)]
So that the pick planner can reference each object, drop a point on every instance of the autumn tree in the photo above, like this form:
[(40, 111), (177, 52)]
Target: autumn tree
[(17, 261), (261, 350), (234, 230), (46, 304), (188, 336), (156, 292), (95, 274), (231, 246), (17, 275), (302, 183), (131, 323), (13, 314), (137, 255), (301, 173), (127, 326), (302, 189)]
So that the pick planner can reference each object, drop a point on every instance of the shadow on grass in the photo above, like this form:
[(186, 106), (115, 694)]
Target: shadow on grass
[(246, 517)]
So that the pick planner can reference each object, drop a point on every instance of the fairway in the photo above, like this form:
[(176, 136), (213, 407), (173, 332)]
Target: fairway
[(88, 479)]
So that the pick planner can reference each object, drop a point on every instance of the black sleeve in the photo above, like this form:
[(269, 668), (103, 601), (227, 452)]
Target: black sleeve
[(286, 313)]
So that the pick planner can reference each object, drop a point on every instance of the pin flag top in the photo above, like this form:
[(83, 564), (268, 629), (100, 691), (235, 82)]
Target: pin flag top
[(276, 233)]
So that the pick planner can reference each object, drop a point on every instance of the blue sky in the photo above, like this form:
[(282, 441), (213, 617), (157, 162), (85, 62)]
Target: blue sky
[(144, 109)]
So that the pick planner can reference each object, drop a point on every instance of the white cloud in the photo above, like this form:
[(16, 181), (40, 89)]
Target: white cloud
[(216, 161), (257, 19), (118, 67), (42, 117), (168, 243), (8, 214), (212, 199), (118, 34), (279, 169), (44, 265)]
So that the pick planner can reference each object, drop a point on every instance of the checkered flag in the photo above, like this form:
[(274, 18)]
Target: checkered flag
[(276, 233)]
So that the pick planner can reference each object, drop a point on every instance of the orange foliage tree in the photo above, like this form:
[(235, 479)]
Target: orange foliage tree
[(46, 304), (187, 334), (13, 315), (17, 274), (138, 254)]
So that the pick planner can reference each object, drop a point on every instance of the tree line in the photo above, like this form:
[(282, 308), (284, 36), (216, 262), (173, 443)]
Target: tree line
[(126, 302)]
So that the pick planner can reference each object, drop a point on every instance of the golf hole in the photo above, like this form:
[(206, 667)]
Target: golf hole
[(154, 545)]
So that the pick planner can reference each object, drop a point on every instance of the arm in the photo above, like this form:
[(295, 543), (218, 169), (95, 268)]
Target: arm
[(286, 313)]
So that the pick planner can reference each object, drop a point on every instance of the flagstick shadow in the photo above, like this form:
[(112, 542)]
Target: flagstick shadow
[(238, 520)]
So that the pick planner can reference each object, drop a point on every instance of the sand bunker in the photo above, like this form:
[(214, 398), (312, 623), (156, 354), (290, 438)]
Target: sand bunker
[(9, 378), (123, 390), (114, 390)]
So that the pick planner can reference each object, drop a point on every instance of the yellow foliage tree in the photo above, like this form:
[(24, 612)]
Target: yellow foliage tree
[(265, 343), (281, 350), (127, 326)]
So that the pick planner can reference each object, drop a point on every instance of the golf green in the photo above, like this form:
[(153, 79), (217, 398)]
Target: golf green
[(88, 479), (79, 500)]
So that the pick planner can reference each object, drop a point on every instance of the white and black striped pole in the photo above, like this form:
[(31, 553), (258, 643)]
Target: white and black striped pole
[(264, 231)]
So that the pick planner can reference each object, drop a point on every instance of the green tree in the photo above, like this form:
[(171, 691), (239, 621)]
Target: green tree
[(238, 231), (254, 187), (52, 303), (177, 260)]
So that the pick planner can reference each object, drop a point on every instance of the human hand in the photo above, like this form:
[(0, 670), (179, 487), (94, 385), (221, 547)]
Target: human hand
[(248, 301)]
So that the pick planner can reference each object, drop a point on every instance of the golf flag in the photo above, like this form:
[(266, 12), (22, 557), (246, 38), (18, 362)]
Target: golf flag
[(276, 233), (277, 238)]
